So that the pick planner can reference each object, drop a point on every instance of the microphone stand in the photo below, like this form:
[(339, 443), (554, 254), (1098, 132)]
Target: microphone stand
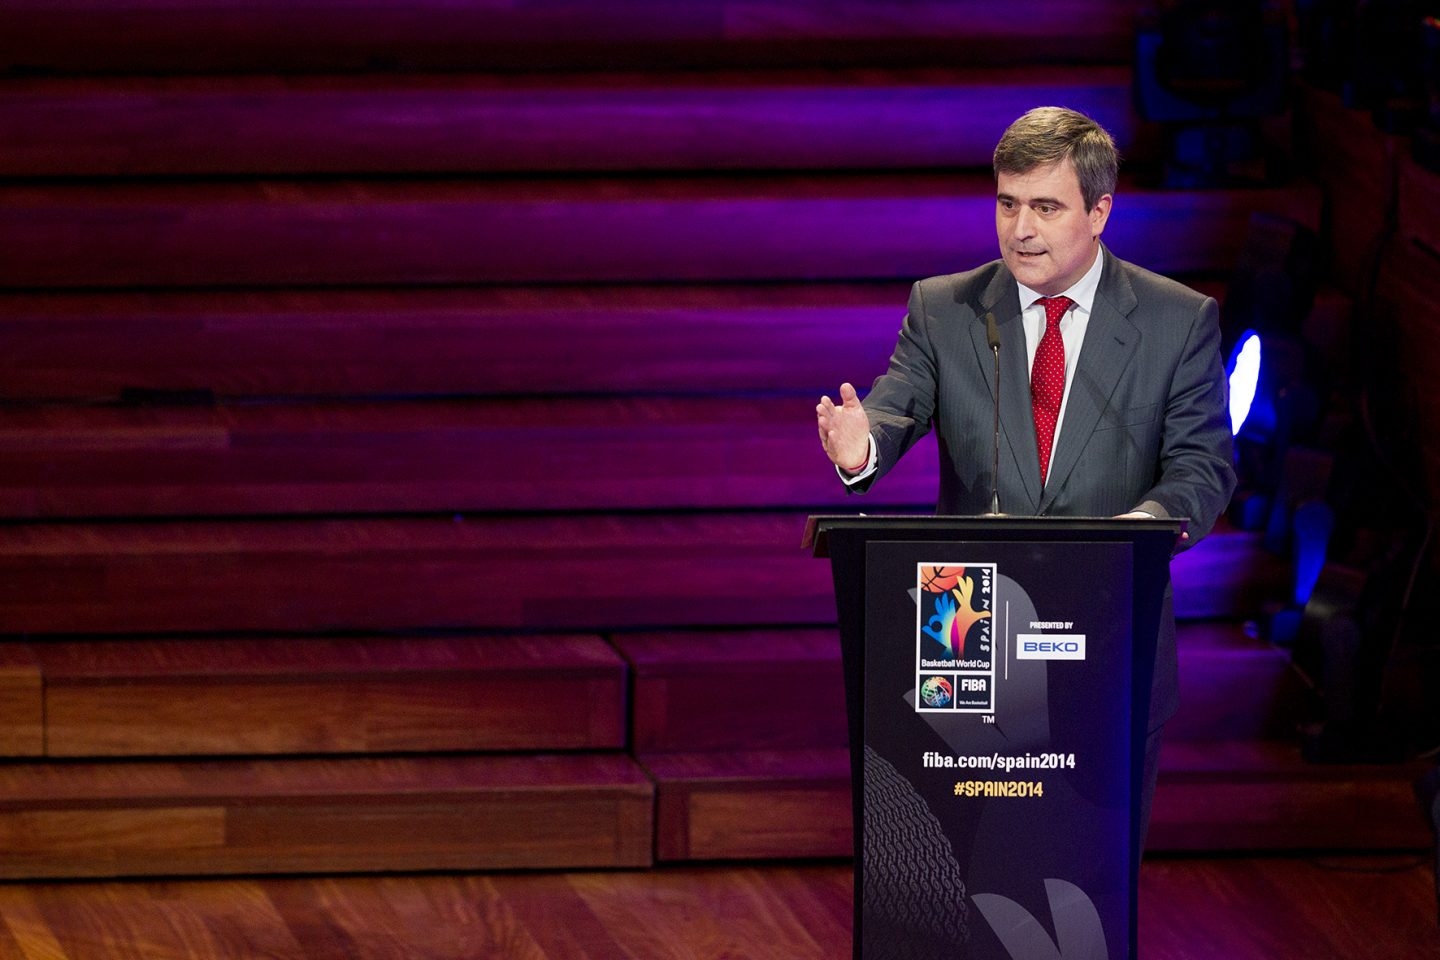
[(992, 334)]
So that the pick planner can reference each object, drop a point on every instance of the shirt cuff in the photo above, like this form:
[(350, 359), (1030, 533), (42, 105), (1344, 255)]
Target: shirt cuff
[(872, 462)]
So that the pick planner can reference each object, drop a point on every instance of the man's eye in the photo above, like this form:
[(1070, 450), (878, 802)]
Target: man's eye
[(1046, 209)]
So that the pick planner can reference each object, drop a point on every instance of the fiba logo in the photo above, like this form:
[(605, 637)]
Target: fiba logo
[(937, 692)]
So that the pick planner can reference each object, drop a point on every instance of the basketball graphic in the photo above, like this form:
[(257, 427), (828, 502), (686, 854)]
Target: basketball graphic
[(934, 579), (937, 692)]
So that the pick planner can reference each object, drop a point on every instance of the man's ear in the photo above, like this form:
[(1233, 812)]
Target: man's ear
[(1099, 215)]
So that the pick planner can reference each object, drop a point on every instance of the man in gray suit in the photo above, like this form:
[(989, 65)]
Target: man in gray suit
[(1140, 422)]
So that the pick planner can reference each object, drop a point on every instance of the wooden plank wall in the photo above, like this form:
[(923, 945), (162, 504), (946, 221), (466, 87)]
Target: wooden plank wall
[(405, 406)]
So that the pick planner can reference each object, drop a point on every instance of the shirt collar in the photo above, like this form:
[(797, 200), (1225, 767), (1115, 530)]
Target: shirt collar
[(1082, 291)]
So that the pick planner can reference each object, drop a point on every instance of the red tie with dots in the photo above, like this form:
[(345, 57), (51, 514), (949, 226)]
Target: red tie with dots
[(1047, 380)]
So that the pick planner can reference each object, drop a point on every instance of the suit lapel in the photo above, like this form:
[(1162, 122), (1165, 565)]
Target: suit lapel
[(1110, 341), (1017, 424)]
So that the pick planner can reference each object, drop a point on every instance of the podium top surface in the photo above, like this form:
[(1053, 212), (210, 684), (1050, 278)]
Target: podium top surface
[(930, 527)]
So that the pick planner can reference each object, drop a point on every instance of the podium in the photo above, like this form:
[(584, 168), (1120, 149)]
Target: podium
[(998, 674)]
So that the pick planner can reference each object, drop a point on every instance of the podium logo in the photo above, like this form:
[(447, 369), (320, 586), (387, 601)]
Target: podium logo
[(937, 692), (973, 693), (1050, 646), (955, 637), (956, 615)]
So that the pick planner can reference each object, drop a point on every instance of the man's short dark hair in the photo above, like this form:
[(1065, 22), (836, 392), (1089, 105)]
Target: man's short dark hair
[(1047, 135)]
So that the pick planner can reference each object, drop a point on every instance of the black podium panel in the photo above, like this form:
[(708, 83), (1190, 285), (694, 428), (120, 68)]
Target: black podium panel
[(998, 678)]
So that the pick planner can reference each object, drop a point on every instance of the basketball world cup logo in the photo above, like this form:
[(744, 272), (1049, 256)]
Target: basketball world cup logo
[(955, 637), (956, 614)]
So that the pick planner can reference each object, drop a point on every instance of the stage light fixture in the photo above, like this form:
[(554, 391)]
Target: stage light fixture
[(1244, 376)]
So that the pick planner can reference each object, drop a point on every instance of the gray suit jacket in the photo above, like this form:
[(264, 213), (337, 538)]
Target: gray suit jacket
[(1146, 424)]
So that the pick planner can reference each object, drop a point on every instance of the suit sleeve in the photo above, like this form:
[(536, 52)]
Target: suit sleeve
[(901, 402), (1196, 475)]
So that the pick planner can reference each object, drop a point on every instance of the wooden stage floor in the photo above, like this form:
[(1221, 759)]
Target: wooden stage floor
[(1320, 908)]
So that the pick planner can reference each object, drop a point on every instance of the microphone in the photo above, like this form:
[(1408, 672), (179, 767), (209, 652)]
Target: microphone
[(992, 336)]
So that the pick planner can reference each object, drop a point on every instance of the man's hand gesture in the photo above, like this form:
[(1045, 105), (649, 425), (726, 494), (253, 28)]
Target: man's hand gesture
[(844, 430)]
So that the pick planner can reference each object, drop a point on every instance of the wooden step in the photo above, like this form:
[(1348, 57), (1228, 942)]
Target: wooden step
[(387, 123), (1260, 795), (735, 690), (454, 572), (1234, 686), (22, 704), (547, 572), (357, 815), (559, 454), (751, 805), (489, 341), (303, 233), (314, 695), (79, 36)]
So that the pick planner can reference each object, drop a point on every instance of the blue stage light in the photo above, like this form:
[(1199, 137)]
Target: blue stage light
[(1244, 370)]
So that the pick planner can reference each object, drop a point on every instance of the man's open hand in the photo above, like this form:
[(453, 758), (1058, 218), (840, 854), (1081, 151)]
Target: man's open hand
[(844, 430)]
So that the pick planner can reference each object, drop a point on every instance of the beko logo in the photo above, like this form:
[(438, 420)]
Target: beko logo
[(1050, 646)]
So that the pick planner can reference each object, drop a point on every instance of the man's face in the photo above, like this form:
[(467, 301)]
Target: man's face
[(1047, 237)]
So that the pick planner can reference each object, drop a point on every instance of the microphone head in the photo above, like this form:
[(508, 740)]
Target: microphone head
[(992, 332)]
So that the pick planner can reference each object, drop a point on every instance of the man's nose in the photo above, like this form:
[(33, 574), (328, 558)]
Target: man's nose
[(1023, 227)]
